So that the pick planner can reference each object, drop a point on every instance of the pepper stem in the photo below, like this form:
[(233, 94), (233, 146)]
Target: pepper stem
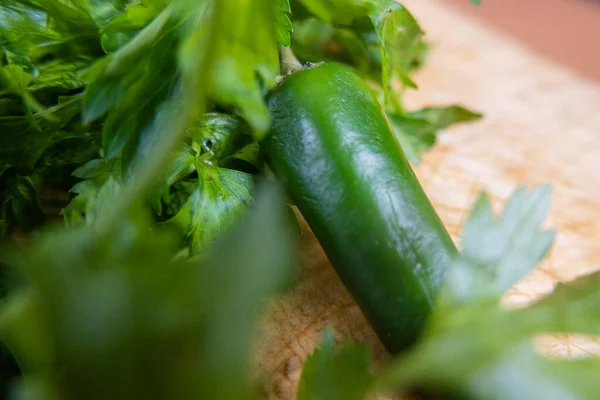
[(288, 61)]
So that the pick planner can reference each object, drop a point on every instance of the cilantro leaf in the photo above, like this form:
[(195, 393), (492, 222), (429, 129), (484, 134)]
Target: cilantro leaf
[(218, 199), (496, 254), (400, 36), (95, 174), (102, 11), (130, 85), (284, 24), (417, 131), (416, 136), (340, 12), (241, 54), (443, 117), (62, 74), (523, 374), (331, 374), (89, 310), (23, 143), (475, 348), (571, 307)]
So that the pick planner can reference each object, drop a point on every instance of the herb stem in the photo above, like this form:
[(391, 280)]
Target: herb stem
[(288, 61)]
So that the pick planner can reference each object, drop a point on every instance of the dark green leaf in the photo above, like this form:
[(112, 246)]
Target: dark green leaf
[(22, 143), (112, 312), (95, 174), (59, 74), (19, 203), (336, 374), (219, 136), (240, 274), (218, 200)]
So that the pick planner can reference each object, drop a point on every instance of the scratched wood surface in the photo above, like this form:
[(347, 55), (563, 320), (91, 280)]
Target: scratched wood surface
[(541, 125)]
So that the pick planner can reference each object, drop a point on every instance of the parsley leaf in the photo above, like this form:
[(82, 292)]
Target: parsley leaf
[(339, 12), (336, 374), (284, 24), (523, 374), (217, 200), (496, 254), (400, 36), (417, 131), (474, 348), (90, 311), (572, 307)]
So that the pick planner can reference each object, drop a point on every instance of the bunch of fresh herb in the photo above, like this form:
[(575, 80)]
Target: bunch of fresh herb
[(151, 114)]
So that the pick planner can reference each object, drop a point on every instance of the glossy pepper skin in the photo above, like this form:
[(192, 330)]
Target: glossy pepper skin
[(332, 147)]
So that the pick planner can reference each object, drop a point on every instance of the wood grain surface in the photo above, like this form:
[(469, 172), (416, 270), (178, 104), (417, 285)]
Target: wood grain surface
[(541, 125)]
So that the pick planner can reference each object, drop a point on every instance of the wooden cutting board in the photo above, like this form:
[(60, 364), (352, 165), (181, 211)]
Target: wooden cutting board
[(541, 125)]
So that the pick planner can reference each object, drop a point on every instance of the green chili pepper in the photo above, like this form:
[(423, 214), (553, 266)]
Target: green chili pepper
[(332, 147)]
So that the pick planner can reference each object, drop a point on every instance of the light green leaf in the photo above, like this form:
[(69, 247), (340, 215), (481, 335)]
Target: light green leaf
[(444, 117), (400, 36), (417, 131), (102, 11), (477, 349), (524, 375), (245, 47), (336, 374), (340, 12), (416, 136), (181, 165), (218, 136), (496, 253), (482, 351), (284, 24), (95, 174), (217, 201), (59, 74), (571, 307)]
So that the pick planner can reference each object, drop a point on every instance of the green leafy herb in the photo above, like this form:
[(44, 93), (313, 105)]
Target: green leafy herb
[(242, 54), (473, 347), (417, 131), (496, 254), (215, 204), (400, 35), (108, 325), (340, 12), (332, 374), (284, 24)]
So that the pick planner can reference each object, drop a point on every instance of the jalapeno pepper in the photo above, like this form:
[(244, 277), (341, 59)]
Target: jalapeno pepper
[(333, 149)]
